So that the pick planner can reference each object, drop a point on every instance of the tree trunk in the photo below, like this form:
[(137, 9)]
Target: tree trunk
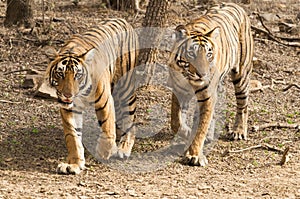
[(155, 19), (124, 4), (19, 12)]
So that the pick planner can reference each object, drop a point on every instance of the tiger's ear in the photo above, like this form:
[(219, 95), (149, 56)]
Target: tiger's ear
[(89, 56), (214, 33), (180, 33), (50, 52)]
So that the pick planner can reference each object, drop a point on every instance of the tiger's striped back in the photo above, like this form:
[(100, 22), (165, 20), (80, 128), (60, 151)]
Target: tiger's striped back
[(205, 50)]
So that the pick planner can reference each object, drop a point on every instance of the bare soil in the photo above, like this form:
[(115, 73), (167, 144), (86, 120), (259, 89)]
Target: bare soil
[(32, 141)]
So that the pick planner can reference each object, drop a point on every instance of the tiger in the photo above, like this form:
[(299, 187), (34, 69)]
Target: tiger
[(205, 50), (85, 71)]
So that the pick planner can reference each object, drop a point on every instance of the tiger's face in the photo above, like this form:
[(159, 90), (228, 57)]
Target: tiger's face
[(68, 77), (195, 54)]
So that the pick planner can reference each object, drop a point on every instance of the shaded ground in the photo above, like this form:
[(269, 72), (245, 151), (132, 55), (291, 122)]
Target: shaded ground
[(32, 143)]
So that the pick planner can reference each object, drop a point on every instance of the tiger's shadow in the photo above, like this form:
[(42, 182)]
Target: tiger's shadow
[(32, 149)]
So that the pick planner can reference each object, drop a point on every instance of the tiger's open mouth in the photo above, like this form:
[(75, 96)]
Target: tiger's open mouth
[(65, 101)]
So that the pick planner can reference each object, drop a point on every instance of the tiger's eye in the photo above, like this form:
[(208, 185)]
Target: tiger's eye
[(191, 54), (78, 75), (60, 74), (209, 55)]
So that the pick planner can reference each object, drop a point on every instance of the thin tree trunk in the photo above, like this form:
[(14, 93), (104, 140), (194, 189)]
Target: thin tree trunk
[(19, 12), (155, 18), (124, 4)]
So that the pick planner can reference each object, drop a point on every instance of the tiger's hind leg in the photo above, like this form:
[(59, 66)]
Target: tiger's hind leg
[(241, 86), (72, 124), (178, 119), (125, 122), (241, 79)]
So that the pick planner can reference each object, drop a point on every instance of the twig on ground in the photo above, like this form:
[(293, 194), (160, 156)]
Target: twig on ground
[(285, 157), (17, 71), (275, 125), (289, 39), (290, 86), (28, 70), (245, 149), (275, 38), (264, 146), (256, 85), (263, 24), (9, 102)]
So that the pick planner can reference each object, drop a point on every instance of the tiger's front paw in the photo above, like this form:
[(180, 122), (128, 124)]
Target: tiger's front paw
[(125, 145), (238, 134), (65, 168), (106, 148), (124, 150), (195, 160)]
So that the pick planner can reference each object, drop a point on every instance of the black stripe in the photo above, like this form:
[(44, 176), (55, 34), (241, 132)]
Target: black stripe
[(124, 101), (245, 77), (88, 90), (201, 89), (72, 111), (237, 81), (129, 85), (203, 100), (241, 98), (78, 129), (101, 108), (243, 107), (132, 112), (102, 122), (129, 51), (98, 99), (84, 85), (69, 134), (132, 101), (241, 92), (127, 130)]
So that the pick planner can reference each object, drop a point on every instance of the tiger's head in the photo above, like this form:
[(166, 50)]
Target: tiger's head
[(195, 53), (68, 74)]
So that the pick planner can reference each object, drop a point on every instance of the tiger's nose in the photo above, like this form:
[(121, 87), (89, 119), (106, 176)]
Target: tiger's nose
[(68, 95)]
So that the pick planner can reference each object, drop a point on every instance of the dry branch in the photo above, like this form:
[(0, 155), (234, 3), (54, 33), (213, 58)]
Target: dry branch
[(263, 146), (275, 125), (290, 86), (245, 149), (16, 71), (289, 39), (276, 39), (294, 42), (9, 102), (256, 85), (285, 157)]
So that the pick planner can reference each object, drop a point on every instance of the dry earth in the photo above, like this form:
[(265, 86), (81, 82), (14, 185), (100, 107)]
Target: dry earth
[(32, 143)]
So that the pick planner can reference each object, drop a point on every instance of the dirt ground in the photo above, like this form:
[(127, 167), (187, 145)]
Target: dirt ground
[(32, 141)]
